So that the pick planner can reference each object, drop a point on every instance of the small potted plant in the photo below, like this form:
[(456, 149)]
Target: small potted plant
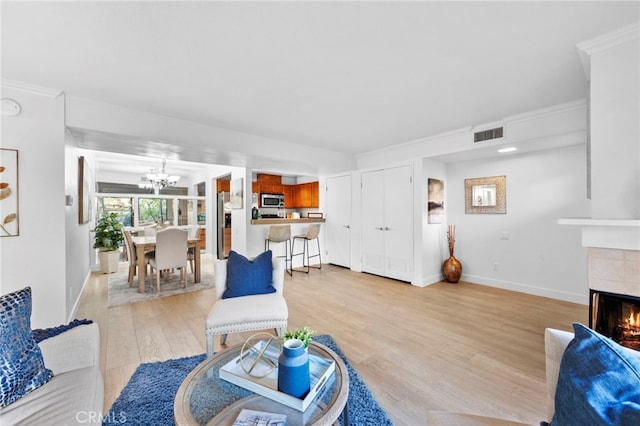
[(305, 334), (108, 238)]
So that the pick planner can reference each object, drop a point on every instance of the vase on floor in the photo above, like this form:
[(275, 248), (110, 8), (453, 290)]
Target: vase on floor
[(451, 268), (293, 369)]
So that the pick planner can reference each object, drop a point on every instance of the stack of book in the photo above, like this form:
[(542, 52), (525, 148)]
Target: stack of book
[(259, 418)]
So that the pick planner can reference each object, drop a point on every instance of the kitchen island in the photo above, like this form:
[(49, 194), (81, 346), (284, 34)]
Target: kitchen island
[(284, 221), (258, 234)]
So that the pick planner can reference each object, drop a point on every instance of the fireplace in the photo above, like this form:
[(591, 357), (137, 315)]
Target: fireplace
[(616, 316)]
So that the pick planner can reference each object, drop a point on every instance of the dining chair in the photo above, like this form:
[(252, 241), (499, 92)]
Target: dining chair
[(171, 253), (194, 232), (150, 231), (132, 254)]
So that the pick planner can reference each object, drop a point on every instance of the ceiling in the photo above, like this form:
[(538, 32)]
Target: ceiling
[(351, 77)]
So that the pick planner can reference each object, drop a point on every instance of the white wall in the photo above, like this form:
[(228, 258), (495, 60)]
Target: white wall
[(78, 239), (432, 250), (38, 257), (615, 131), (541, 135), (540, 257)]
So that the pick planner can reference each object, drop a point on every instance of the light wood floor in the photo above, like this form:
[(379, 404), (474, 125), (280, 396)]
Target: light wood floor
[(456, 347)]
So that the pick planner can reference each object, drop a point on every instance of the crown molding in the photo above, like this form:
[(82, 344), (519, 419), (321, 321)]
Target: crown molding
[(31, 88), (604, 42), (546, 112)]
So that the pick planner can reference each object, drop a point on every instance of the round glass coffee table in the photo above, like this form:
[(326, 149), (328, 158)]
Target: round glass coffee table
[(205, 399)]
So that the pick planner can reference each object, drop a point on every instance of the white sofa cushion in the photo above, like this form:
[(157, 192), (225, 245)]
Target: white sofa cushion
[(74, 397), (555, 342), (76, 348)]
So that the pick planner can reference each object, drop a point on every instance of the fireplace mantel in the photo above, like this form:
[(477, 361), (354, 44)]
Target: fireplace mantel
[(622, 234)]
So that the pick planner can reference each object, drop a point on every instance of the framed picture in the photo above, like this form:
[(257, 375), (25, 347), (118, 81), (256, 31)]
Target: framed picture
[(237, 193), (9, 202), (487, 195), (85, 196), (435, 200)]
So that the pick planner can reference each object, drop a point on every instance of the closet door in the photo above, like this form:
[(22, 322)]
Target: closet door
[(398, 223), (339, 220), (387, 223), (373, 222)]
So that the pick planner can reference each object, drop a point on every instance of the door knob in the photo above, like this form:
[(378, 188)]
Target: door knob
[(386, 228), (346, 226)]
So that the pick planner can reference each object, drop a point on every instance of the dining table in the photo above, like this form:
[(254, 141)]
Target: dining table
[(144, 244)]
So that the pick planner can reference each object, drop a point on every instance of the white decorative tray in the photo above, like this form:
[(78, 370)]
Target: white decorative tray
[(320, 369)]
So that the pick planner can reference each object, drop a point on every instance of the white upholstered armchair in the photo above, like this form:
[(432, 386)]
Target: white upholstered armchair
[(246, 313)]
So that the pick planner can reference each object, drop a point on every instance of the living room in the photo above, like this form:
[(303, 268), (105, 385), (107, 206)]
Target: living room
[(539, 256)]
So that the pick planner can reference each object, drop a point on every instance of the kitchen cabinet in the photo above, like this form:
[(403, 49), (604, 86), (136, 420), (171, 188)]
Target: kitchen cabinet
[(338, 228), (271, 188), (315, 194), (289, 202), (300, 196), (387, 231), (267, 178), (223, 185), (306, 195)]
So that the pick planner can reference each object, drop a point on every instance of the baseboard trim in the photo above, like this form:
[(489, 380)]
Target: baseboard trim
[(74, 311), (582, 299)]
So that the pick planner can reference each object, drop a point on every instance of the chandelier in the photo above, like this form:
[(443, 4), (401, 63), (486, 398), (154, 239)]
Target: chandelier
[(157, 181)]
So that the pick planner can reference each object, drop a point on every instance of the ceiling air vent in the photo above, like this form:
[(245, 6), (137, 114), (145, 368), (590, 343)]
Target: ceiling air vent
[(489, 134)]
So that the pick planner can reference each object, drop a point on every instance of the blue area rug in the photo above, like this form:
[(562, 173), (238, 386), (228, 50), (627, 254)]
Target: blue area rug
[(148, 397)]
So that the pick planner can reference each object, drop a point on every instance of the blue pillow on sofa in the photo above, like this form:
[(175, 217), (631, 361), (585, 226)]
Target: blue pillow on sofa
[(598, 382), (246, 277), (21, 364)]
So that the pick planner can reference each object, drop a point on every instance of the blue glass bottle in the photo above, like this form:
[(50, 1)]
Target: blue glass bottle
[(293, 369)]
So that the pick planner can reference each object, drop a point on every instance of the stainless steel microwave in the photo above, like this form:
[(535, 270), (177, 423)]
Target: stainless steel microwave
[(272, 200)]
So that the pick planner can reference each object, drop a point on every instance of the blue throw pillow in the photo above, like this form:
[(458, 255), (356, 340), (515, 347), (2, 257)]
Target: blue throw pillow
[(598, 383), (21, 365), (246, 277)]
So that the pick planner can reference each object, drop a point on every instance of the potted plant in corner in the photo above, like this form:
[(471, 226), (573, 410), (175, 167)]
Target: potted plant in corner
[(108, 237)]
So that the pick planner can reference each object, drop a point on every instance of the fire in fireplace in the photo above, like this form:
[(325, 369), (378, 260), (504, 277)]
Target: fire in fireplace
[(616, 316)]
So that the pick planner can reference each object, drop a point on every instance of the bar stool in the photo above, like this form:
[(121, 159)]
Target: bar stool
[(281, 234), (312, 234)]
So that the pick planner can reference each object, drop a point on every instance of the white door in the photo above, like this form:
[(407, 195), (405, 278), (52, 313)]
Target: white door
[(398, 223), (339, 220), (373, 222), (387, 223)]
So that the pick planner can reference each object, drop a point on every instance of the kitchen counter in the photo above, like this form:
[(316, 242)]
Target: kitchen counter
[(282, 221)]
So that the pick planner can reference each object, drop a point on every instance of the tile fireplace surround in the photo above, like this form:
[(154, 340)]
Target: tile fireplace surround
[(614, 270), (613, 249)]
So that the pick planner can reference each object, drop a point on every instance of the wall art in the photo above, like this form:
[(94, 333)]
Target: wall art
[(435, 200), (9, 199), (487, 195), (85, 195)]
